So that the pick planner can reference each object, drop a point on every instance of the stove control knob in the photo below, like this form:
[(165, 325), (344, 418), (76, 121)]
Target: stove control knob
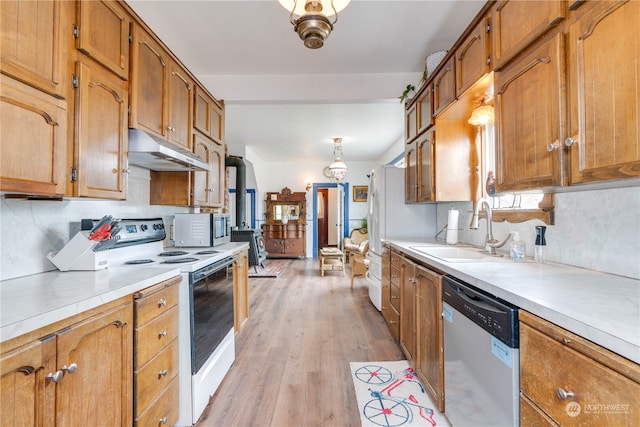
[(144, 227)]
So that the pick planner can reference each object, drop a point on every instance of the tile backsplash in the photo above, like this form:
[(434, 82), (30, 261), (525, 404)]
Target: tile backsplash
[(595, 229)]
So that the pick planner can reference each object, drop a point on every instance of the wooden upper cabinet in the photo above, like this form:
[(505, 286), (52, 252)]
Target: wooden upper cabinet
[(33, 49), (425, 146), (111, 22), (208, 115), (411, 121), (411, 173), (101, 133), (444, 87), (472, 57), (531, 118), (425, 106), (604, 67), (516, 24), (33, 152), (180, 100), (149, 84), (208, 186)]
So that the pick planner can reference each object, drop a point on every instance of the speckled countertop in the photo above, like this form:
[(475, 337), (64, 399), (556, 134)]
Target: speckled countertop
[(600, 307)]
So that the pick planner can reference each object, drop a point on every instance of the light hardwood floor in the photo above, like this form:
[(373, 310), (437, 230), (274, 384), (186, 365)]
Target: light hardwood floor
[(293, 354)]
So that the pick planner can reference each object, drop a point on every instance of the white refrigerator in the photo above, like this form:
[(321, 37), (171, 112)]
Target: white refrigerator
[(388, 217)]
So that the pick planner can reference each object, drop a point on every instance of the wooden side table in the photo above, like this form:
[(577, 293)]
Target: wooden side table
[(331, 259)]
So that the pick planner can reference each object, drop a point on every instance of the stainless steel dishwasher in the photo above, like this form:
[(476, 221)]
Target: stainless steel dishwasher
[(481, 357)]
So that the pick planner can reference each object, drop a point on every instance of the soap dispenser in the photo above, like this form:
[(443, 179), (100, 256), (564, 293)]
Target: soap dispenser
[(516, 250), (540, 244)]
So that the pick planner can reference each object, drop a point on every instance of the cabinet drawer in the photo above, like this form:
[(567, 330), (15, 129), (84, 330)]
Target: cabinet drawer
[(155, 335), (164, 410), (153, 304), (548, 367), (154, 376)]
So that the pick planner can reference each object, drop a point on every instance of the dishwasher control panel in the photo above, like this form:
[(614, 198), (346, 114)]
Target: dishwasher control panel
[(495, 316)]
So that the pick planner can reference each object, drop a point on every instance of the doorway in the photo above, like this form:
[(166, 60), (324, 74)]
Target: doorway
[(330, 213)]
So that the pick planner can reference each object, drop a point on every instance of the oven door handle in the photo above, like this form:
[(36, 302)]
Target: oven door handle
[(215, 267)]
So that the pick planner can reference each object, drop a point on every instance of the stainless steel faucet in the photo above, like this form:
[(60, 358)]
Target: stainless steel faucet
[(490, 243)]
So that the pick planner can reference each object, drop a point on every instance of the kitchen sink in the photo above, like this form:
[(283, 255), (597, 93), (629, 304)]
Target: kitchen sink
[(456, 254)]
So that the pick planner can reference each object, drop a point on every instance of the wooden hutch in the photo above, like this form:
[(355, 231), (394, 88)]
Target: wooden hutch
[(284, 231)]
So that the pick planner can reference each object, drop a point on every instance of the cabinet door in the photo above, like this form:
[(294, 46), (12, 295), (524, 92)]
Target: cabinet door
[(201, 180), (410, 173), (99, 391), (408, 309), (216, 176), (28, 397), (444, 87), (429, 362), (208, 116), (516, 24), (426, 166), (111, 22), (472, 58), (411, 121), (605, 111), (241, 290), (101, 132), (385, 308), (32, 46), (149, 84), (531, 118), (33, 153), (425, 106), (180, 102)]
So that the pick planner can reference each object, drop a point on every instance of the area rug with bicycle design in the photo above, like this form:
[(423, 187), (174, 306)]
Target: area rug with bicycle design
[(389, 394)]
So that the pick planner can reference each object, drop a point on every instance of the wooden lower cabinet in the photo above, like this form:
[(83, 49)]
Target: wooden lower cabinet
[(285, 240), (568, 380), (429, 360), (77, 375), (156, 354), (241, 290), (394, 295), (408, 309)]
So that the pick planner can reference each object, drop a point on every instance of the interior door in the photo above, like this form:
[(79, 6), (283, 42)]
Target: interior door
[(339, 203)]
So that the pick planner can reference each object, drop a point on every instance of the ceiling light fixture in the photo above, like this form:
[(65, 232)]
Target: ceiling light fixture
[(482, 114), (310, 19), (337, 168)]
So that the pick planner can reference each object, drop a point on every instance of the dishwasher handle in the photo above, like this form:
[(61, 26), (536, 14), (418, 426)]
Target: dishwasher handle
[(478, 302)]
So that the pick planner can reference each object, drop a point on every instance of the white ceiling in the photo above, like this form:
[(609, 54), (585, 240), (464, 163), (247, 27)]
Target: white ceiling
[(287, 102)]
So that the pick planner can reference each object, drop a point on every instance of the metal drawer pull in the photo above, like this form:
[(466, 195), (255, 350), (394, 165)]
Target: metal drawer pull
[(564, 395), (70, 369), (163, 373), (553, 146), (566, 341), (163, 420), (163, 334), (162, 302), (56, 376)]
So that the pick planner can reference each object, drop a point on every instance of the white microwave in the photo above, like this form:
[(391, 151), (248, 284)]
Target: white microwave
[(201, 230)]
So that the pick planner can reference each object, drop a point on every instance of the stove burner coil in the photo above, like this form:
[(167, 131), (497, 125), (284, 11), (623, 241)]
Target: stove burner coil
[(139, 261), (207, 252), (173, 253), (179, 260)]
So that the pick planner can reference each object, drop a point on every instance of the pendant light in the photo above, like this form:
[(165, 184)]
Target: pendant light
[(337, 168), (482, 114), (310, 19)]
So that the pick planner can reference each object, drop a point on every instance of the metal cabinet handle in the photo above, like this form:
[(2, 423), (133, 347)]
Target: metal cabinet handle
[(171, 129), (553, 146), (162, 302), (163, 373), (163, 420), (162, 333), (564, 394), (70, 369), (571, 141), (55, 376)]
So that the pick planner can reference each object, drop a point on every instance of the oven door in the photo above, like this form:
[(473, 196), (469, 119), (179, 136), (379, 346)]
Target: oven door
[(211, 296)]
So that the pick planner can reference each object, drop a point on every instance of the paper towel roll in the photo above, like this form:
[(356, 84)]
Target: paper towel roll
[(452, 227)]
